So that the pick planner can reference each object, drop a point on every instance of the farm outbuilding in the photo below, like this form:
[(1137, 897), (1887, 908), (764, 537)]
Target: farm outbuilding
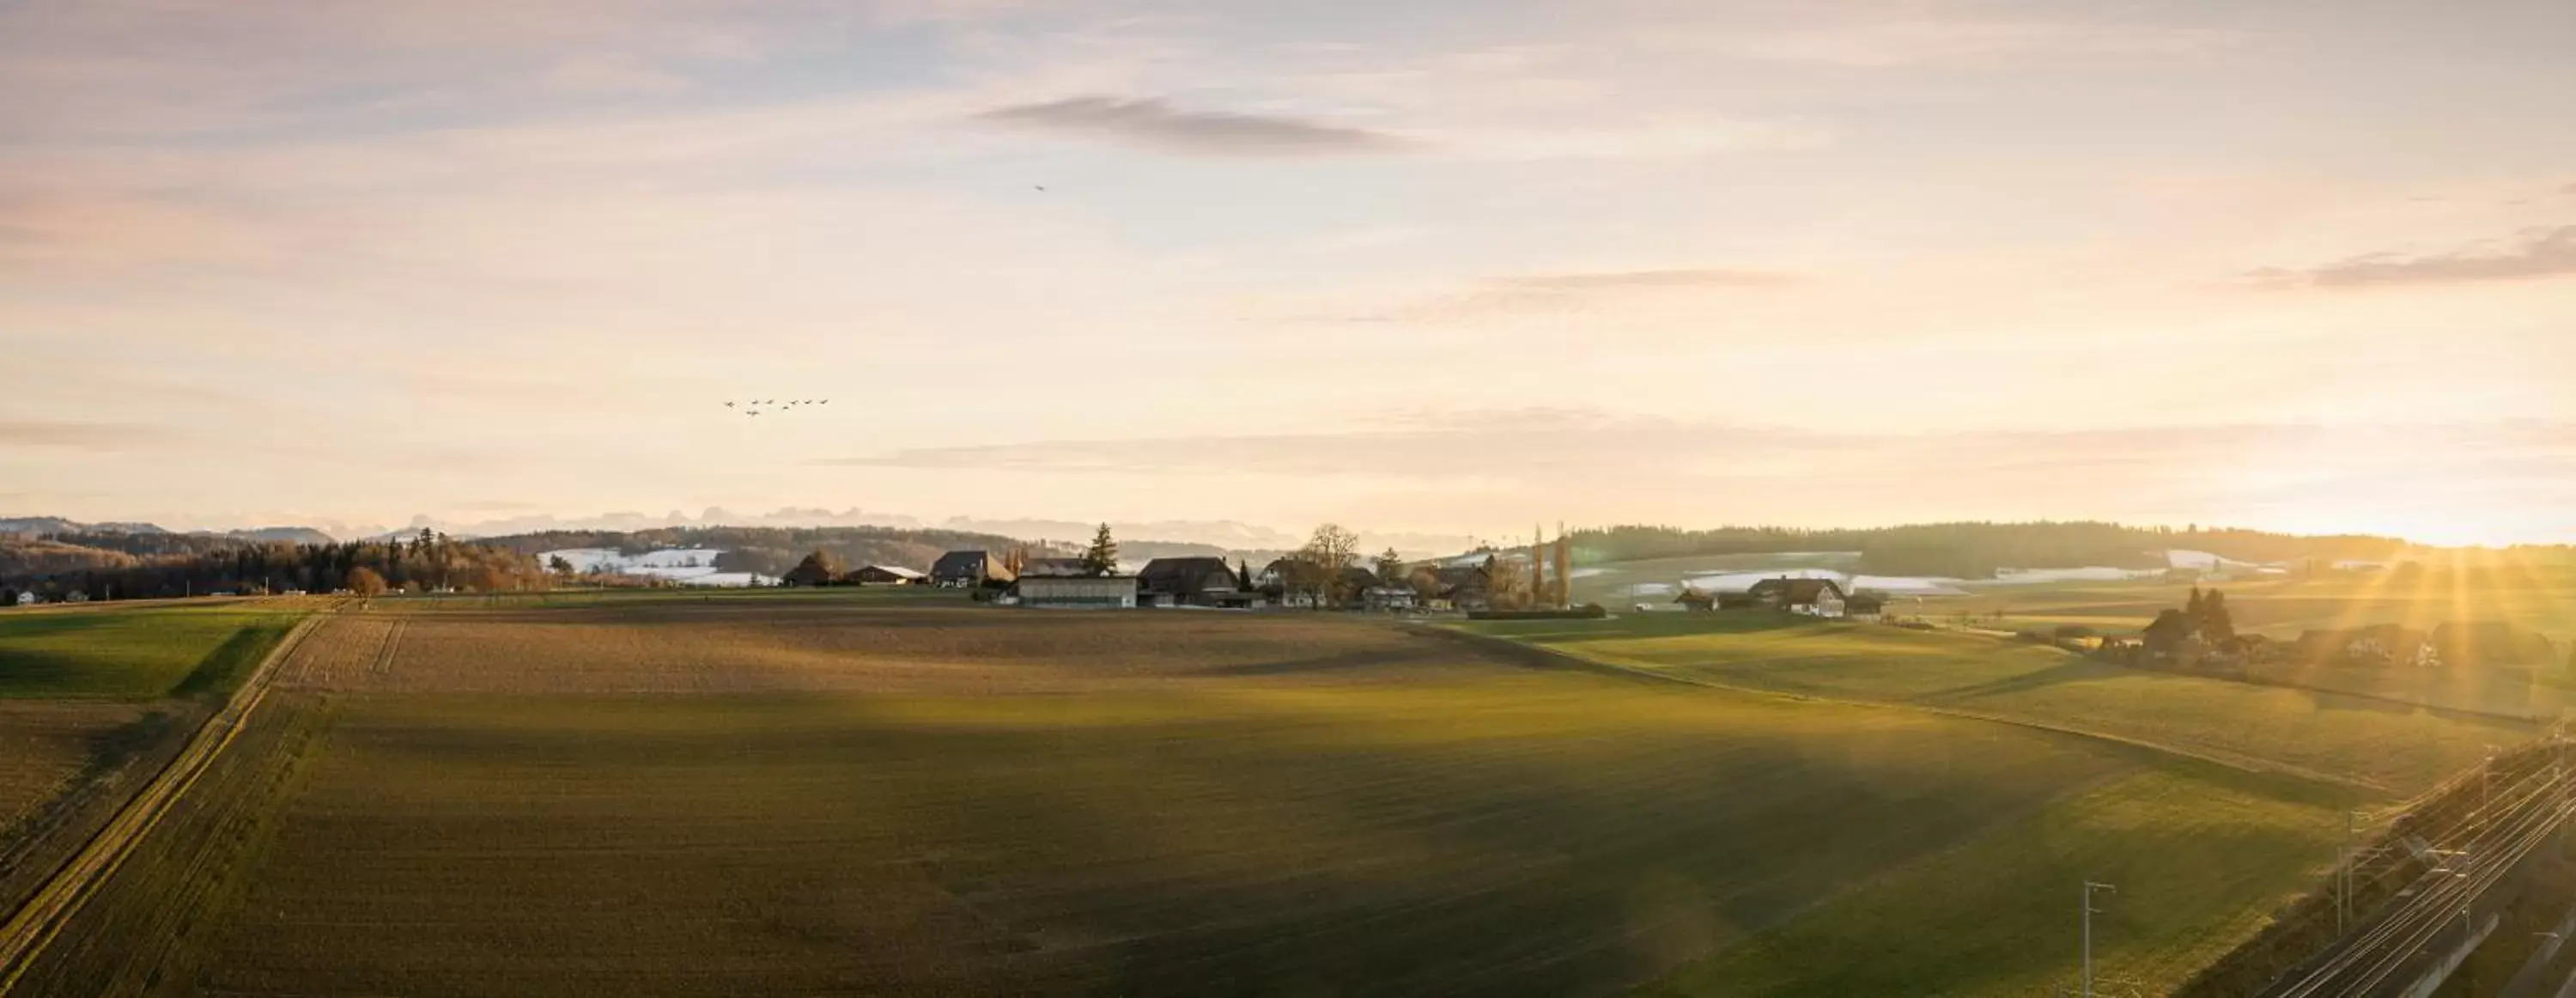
[(968, 569), (1805, 597), (1464, 587), (1199, 581), (1094, 592), (887, 575), (1382, 598)]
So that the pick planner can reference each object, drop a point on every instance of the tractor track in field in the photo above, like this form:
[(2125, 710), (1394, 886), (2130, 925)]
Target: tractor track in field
[(384, 665), (24, 935)]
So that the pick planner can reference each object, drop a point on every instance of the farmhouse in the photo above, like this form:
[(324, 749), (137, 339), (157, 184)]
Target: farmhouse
[(1197, 581), (1806, 597), (1465, 587), (2377, 644), (1353, 582), (1387, 598), (810, 572), (1092, 592), (967, 569), (885, 575)]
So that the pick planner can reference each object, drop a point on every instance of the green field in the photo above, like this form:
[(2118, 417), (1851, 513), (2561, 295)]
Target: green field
[(2283, 608), (134, 653), (2541, 598), (93, 699), (2385, 747), (814, 794)]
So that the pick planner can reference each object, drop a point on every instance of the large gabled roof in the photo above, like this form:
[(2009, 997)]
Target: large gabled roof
[(1184, 576), (981, 563), (1796, 592)]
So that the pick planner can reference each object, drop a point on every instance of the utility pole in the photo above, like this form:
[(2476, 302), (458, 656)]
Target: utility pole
[(2343, 877), (2089, 912)]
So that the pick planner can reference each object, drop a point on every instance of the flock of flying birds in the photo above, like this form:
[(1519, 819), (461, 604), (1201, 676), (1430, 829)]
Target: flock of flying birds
[(754, 408)]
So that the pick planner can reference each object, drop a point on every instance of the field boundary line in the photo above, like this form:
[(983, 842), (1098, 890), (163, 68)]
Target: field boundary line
[(2247, 766), (27, 932)]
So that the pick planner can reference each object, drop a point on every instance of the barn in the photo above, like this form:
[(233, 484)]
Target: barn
[(1199, 581), (967, 569), (1805, 597), (1086, 592)]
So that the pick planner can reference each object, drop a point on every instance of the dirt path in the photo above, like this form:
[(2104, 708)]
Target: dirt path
[(36, 923)]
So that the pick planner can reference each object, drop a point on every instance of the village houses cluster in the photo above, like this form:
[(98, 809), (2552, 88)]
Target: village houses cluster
[(1190, 581)]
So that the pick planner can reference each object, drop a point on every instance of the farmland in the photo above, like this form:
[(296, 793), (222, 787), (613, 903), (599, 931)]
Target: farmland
[(2386, 747), (679, 795), (2284, 607), (48, 746), (92, 699), (2539, 597), (133, 654)]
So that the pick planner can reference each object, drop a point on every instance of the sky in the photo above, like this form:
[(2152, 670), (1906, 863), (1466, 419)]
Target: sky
[(1431, 266)]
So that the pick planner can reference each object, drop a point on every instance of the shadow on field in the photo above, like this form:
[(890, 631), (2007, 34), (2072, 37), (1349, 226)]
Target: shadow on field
[(2072, 671), (1344, 661)]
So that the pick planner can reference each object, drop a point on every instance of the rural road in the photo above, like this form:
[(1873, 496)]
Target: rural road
[(24, 936)]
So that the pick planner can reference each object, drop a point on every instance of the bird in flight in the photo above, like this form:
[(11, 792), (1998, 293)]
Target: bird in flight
[(755, 407), (1041, 188)]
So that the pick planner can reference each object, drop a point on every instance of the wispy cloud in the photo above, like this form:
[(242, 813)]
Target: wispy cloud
[(1894, 43), (2535, 253), (75, 435), (2420, 474), (1624, 280), (612, 75), (1575, 291), (1153, 123)]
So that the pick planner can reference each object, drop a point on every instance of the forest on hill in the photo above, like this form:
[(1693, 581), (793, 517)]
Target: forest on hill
[(55, 568)]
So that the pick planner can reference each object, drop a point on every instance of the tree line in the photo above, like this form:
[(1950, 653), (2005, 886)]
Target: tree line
[(423, 562)]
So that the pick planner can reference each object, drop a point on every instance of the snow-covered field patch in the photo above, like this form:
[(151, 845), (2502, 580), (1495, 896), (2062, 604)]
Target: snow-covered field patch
[(684, 566), (2097, 573), (1897, 585)]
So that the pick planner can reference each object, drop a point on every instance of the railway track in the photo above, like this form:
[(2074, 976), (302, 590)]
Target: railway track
[(2378, 958), (35, 924)]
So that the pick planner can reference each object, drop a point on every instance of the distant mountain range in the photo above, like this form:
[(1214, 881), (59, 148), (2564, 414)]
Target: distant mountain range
[(39, 526), (1223, 535), (1159, 537)]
